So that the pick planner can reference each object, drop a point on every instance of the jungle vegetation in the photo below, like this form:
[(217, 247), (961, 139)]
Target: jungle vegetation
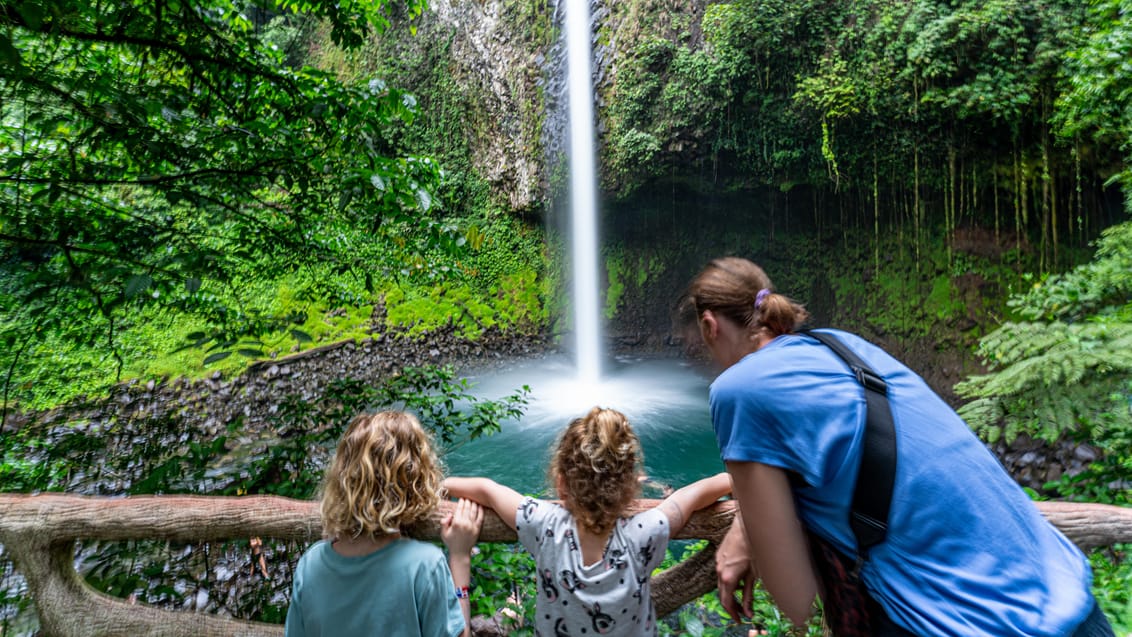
[(175, 177), (925, 124), (185, 186), (923, 117)]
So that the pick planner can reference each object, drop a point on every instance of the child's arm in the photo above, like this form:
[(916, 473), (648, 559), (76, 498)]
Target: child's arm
[(692, 497), (503, 500), (459, 531)]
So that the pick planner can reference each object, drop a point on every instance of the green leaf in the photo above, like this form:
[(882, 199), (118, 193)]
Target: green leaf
[(32, 13), (301, 336), (137, 284), (192, 285), (251, 353), (218, 356), (9, 55)]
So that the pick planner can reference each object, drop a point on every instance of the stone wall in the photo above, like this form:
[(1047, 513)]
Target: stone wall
[(1033, 463)]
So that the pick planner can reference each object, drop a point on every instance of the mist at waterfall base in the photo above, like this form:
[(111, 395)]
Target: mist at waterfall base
[(664, 399)]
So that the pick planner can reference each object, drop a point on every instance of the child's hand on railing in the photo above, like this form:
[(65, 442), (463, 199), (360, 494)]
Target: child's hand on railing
[(461, 527)]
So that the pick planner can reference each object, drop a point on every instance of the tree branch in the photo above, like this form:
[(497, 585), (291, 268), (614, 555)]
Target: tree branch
[(50, 27)]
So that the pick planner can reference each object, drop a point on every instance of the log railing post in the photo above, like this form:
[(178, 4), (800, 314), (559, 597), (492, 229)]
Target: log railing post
[(40, 532)]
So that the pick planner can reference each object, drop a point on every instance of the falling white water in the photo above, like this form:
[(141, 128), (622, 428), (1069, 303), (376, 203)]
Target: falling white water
[(583, 190)]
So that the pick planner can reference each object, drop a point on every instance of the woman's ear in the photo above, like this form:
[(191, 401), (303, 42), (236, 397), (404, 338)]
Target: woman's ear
[(709, 327)]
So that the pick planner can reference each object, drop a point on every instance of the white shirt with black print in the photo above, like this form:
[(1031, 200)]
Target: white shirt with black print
[(610, 597)]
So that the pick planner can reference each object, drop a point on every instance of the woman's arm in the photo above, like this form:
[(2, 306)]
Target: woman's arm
[(501, 499), (693, 497), (779, 551)]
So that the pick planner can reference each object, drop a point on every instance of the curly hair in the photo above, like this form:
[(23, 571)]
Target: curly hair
[(598, 459), (384, 476)]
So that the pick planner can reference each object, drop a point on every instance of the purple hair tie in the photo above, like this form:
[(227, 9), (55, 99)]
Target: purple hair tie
[(760, 297)]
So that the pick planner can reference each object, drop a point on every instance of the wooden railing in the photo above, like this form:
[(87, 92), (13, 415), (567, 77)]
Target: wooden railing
[(40, 531)]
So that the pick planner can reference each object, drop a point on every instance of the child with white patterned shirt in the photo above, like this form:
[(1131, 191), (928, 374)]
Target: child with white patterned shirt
[(593, 562)]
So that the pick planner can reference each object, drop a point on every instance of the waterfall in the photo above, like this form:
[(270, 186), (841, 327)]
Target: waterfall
[(583, 191)]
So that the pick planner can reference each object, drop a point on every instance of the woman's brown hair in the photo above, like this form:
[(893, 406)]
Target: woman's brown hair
[(384, 476), (739, 290), (598, 460)]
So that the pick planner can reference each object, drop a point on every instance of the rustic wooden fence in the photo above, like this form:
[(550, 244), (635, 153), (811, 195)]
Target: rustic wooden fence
[(40, 531)]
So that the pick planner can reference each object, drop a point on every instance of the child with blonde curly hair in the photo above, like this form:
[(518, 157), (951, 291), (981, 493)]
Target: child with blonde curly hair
[(367, 578), (593, 560)]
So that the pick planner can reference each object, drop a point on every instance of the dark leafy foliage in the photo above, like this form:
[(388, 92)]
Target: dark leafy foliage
[(924, 116), (1063, 369), (1066, 370), (158, 153)]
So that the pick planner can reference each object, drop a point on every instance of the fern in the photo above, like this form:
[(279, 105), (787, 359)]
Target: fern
[(1067, 371), (1050, 379), (1102, 285)]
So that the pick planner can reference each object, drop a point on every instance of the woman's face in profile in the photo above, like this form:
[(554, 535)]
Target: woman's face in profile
[(724, 342)]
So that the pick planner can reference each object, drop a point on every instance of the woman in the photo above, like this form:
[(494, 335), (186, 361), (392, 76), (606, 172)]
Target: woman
[(966, 553)]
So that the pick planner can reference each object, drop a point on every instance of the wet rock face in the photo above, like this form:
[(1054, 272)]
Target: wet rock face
[(499, 71), (1033, 463)]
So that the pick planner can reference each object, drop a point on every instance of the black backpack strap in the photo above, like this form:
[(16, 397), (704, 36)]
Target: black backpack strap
[(872, 494)]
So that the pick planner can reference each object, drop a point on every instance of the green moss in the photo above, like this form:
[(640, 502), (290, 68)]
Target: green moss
[(943, 302), (614, 269), (499, 285), (515, 304)]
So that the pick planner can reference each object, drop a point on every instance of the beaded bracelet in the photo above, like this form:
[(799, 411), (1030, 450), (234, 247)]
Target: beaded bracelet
[(462, 592)]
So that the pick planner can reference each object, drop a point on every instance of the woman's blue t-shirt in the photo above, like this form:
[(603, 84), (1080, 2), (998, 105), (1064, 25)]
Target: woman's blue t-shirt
[(967, 552)]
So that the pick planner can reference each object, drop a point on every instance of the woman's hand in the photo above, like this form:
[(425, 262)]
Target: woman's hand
[(734, 571)]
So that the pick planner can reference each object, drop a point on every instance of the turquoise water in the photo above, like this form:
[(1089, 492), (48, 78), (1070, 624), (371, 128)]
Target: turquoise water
[(665, 400)]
